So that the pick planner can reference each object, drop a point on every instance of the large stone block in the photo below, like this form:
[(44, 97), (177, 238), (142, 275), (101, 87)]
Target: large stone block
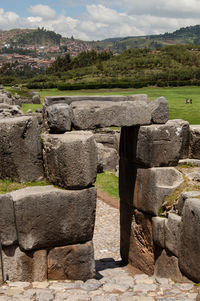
[(20, 149), (74, 262), (50, 100), (109, 138), (189, 247), (155, 145), (158, 224), (183, 197), (107, 157), (21, 266), (58, 118), (153, 185), (91, 115), (163, 145), (71, 159), (195, 141), (141, 249), (172, 233), (48, 216), (8, 232), (159, 110), (166, 266)]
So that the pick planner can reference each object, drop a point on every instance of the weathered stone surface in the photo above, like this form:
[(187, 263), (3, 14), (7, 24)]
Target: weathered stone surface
[(47, 216), (20, 149), (9, 111), (107, 157), (183, 197), (158, 224), (141, 250), (8, 232), (163, 145), (39, 270), (91, 115), (192, 162), (189, 248), (17, 264), (153, 185), (109, 138), (71, 159), (166, 266), (59, 118), (49, 100), (159, 110), (172, 233), (194, 142), (74, 262), (36, 99)]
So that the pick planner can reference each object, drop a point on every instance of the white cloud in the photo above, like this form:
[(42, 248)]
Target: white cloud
[(8, 19), (43, 11)]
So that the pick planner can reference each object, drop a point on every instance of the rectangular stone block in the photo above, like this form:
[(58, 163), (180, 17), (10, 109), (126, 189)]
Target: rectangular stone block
[(158, 224), (49, 217), (195, 141), (8, 232), (172, 231), (20, 149), (75, 262), (71, 159), (156, 145), (153, 185), (100, 114)]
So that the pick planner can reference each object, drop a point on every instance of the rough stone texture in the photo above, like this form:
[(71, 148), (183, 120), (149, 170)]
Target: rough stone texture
[(194, 142), (91, 115), (9, 111), (189, 248), (74, 262), (70, 159), (59, 118), (166, 266), (158, 224), (159, 110), (109, 138), (20, 149), (17, 264), (115, 98), (163, 145), (172, 233), (36, 99), (39, 270), (153, 185), (141, 251), (183, 197), (47, 216), (8, 232), (107, 157), (193, 162)]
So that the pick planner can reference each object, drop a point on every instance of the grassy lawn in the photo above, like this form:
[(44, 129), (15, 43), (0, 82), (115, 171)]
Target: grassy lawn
[(175, 96), (30, 106), (9, 185), (108, 183)]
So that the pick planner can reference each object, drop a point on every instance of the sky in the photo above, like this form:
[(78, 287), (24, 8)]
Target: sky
[(100, 19)]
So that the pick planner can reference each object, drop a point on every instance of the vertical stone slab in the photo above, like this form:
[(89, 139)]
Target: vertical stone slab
[(39, 272), (74, 262)]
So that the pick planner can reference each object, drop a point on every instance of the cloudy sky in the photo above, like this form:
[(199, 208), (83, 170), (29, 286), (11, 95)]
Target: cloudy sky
[(100, 19)]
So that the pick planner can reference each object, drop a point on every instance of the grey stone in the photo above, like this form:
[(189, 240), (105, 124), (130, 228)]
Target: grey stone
[(141, 238), (109, 138), (49, 100), (158, 224), (153, 185), (36, 99), (166, 266), (91, 285), (20, 149), (29, 111), (159, 110), (7, 111), (91, 115), (39, 270), (59, 118), (189, 248), (107, 157), (183, 197), (74, 262), (8, 232), (192, 162), (194, 176), (195, 141), (37, 207), (163, 145), (172, 233), (70, 159)]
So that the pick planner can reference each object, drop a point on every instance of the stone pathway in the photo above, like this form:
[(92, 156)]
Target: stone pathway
[(113, 283)]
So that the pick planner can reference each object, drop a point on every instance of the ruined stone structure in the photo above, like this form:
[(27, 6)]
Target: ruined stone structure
[(46, 232)]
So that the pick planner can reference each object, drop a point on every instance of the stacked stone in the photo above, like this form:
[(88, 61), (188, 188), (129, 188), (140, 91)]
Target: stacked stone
[(148, 155)]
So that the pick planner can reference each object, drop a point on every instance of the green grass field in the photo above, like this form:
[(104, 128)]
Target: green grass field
[(175, 96)]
